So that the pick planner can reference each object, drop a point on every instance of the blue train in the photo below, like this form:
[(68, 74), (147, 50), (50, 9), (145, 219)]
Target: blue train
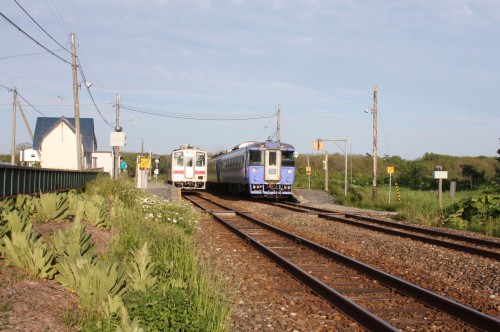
[(258, 169)]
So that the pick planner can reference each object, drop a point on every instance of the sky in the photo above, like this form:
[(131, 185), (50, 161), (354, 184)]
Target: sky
[(185, 70)]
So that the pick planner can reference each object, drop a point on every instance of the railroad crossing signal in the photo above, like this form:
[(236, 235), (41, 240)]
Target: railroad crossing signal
[(318, 144)]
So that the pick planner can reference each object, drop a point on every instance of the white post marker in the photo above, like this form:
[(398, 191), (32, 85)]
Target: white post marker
[(440, 175), (390, 170)]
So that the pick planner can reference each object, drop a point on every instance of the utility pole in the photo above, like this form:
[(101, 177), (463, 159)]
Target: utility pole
[(77, 105), (25, 122), (14, 111), (375, 143), (117, 128), (278, 111)]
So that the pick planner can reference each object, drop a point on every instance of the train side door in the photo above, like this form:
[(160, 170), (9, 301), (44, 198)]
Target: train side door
[(272, 165)]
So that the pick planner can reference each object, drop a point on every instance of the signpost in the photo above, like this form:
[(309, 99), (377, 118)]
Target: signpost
[(390, 170), (440, 175), (143, 167)]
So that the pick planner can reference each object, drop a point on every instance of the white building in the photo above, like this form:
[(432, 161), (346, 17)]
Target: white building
[(55, 141)]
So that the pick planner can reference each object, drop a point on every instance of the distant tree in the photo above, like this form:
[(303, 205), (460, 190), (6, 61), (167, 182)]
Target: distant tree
[(473, 175), (5, 158)]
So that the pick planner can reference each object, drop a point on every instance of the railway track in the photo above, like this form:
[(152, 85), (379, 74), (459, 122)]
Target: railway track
[(467, 244), (374, 299)]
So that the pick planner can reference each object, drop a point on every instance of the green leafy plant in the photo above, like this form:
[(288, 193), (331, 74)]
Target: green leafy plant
[(51, 207), (73, 242), (98, 284), (91, 209), (26, 250), (96, 215), (140, 270), (480, 213)]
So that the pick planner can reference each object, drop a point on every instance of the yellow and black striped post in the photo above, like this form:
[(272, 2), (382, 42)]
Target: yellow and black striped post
[(397, 192)]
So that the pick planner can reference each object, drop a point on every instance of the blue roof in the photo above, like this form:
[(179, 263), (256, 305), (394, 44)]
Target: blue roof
[(45, 125)]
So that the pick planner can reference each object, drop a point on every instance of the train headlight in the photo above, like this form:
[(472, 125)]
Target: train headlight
[(289, 171), (254, 170)]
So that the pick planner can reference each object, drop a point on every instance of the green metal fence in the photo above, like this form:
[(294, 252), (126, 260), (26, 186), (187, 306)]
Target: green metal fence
[(16, 180)]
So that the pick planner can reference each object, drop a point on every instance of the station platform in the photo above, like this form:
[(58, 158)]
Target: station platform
[(164, 190)]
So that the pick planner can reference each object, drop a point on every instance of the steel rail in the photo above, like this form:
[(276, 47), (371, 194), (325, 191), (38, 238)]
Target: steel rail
[(326, 214), (463, 238), (459, 311), (343, 303)]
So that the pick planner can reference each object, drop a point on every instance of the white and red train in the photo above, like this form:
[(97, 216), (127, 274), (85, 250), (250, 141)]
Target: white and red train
[(187, 168)]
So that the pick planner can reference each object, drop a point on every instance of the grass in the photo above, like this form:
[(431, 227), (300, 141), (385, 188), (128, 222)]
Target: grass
[(416, 206), (188, 295)]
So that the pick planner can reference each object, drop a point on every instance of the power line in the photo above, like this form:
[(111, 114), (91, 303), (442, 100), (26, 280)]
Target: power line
[(59, 18), (213, 117), (19, 95), (27, 102), (33, 39), (41, 27), (337, 102), (7, 88), (29, 54), (90, 93)]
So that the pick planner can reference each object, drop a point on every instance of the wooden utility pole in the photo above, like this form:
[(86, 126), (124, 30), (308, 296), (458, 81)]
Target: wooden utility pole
[(117, 128), (25, 122), (14, 111), (77, 105), (375, 143), (278, 111)]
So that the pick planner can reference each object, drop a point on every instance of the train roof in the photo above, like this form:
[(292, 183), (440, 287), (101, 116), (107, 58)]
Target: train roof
[(253, 144), (187, 147)]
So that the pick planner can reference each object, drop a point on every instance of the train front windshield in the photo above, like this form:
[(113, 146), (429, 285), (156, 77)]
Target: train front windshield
[(179, 159), (200, 159), (287, 158)]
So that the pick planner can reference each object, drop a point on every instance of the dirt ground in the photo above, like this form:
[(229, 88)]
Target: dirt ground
[(41, 305)]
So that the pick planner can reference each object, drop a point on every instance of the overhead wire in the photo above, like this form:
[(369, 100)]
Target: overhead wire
[(33, 39), (48, 34), (200, 117), (49, 51), (341, 101), (27, 102), (21, 96), (29, 54), (59, 18), (90, 94)]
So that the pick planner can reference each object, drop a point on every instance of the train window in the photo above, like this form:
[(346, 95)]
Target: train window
[(256, 158), (200, 159), (287, 158), (179, 159), (189, 161), (272, 158)]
